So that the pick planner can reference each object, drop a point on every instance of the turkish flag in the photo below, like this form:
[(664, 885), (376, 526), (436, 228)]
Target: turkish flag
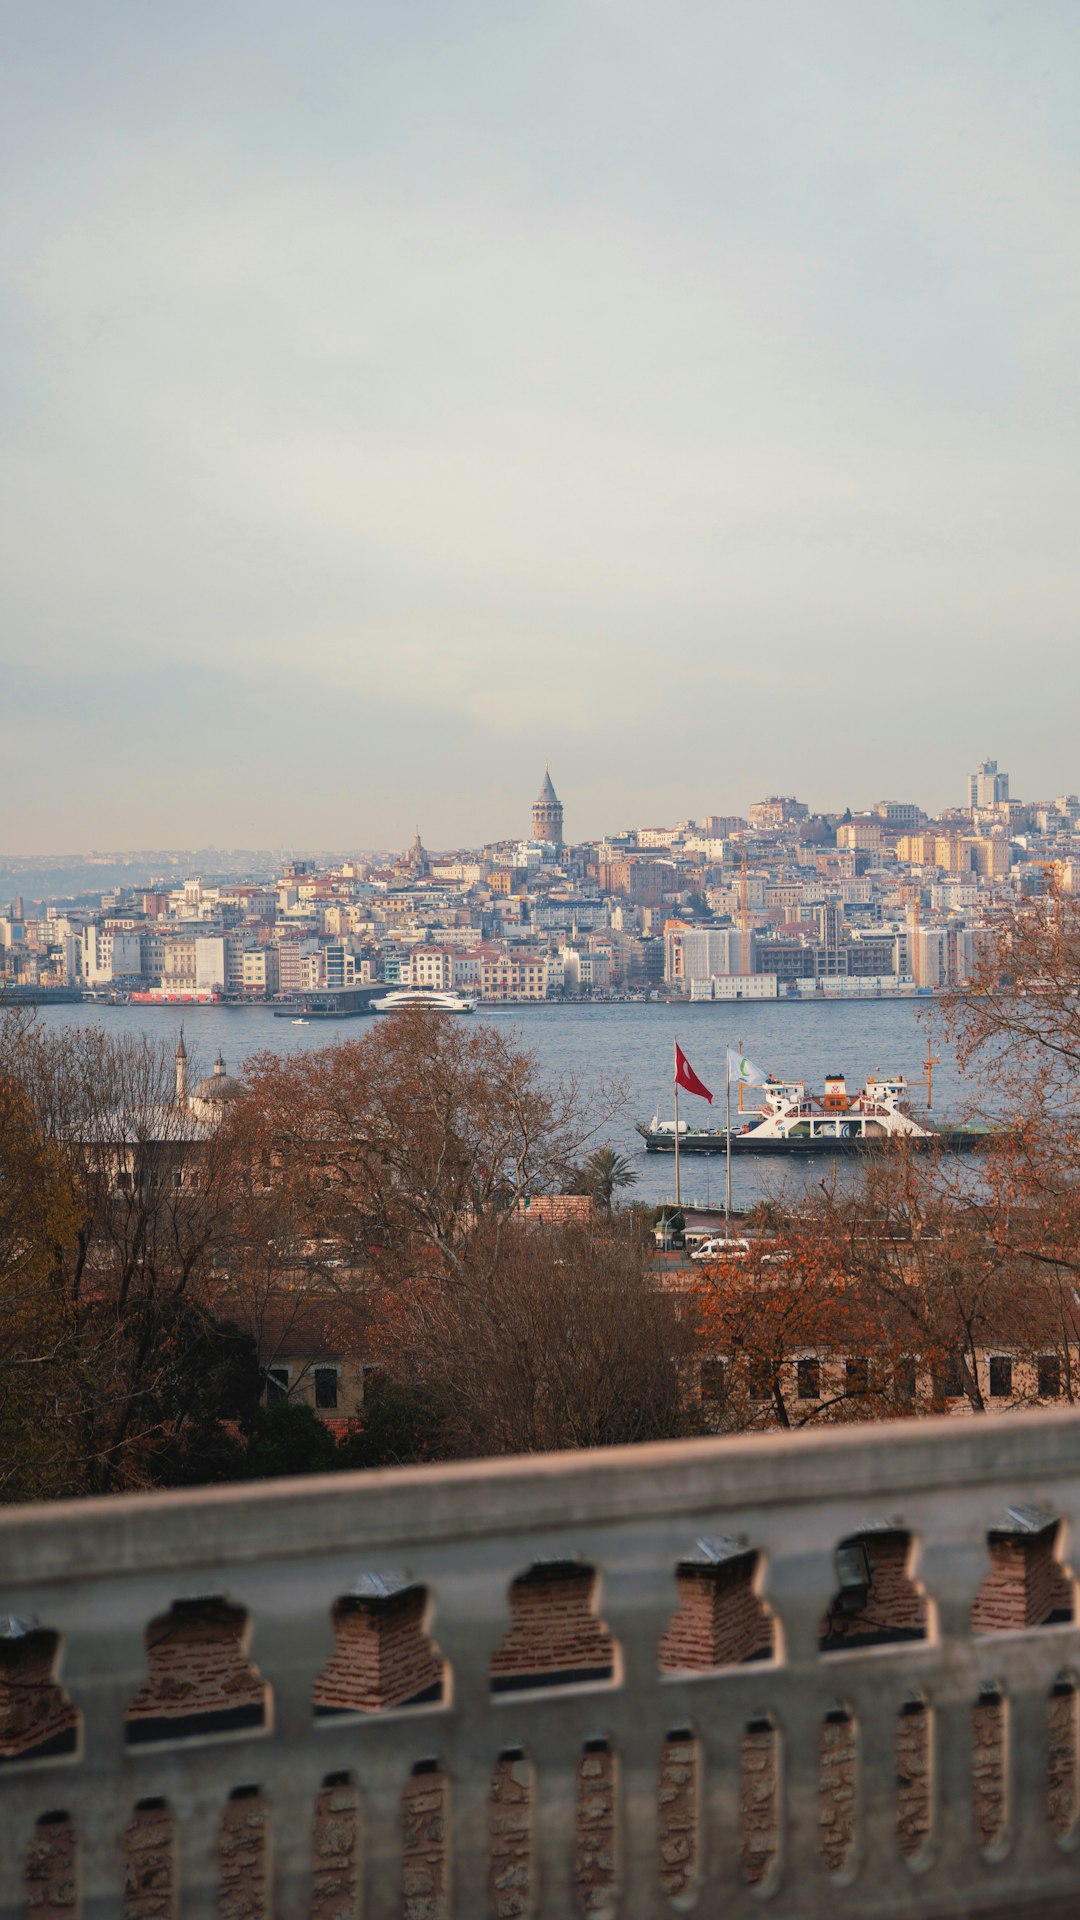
[(686, 1077)]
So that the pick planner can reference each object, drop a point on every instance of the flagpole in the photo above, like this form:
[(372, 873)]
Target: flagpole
[(727, 1139), (676, 1057)]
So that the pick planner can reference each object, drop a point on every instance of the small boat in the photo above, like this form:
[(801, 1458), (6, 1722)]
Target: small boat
[(792, 1121), (430, 997), (300, 1021)]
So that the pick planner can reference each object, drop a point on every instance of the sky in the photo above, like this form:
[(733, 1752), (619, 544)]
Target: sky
[(395, 398)]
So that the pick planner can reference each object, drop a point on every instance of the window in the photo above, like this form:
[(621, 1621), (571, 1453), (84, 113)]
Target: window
[(1049, 1376), (326, 1385), (760, 1380), (1000, 1376), (277, 1383), (858, 1376), (949, 1378), (904, 1377), (713, 1379), (808, 1377)]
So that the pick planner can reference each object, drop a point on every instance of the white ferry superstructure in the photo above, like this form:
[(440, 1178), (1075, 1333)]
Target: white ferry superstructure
[(792, 1121), (430, 997)]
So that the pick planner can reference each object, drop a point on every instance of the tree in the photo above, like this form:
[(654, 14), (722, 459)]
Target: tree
[(604, 1173), (120, 1283), (153, 1262), (36, 1220), (407, 1140), (896, 1284), (546, 1338)]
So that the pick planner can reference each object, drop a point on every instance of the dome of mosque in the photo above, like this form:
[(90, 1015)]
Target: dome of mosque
[(218, 1086)]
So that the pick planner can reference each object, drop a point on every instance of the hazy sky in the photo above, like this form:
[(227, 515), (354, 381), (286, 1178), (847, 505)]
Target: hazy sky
[(395, 396)]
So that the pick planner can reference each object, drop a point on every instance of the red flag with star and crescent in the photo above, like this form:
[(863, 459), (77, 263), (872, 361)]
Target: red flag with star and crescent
[(687, 1078)]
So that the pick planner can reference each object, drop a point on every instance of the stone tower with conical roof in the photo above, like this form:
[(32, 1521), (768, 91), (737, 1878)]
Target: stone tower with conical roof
[(547, 813)]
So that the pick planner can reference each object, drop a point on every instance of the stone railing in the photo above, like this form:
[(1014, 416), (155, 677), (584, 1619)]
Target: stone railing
[(831, 1673)]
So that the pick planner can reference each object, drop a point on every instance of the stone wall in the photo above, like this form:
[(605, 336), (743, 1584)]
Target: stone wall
[(52, 1870), (423, 1857), (596, 1876), (510, 1884), (988, 1769), (1062, 1782), (150, 1864), (679, 1814), (913, 1780), (759, 1801), (838, 1754), (244, 1887), (337, 1850)]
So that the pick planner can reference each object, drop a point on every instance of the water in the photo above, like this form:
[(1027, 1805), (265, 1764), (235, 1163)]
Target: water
[(632, 1044)]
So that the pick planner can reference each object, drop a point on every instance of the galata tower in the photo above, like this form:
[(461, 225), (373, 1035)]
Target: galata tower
[(547, 814)]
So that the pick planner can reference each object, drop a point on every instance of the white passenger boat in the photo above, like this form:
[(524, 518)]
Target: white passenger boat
[(404, 997), (793, 1121)]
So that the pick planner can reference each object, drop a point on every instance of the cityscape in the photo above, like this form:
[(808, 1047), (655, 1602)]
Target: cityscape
[(539, 961), (786, 904)]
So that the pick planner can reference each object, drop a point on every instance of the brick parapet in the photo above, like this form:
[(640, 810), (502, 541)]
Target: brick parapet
[(553, 1628)]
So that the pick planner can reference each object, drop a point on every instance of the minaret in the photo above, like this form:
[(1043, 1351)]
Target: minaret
[(181, 1073), (547, 813)]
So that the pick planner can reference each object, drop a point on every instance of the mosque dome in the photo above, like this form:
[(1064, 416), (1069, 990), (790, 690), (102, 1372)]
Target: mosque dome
[(218, 1088)]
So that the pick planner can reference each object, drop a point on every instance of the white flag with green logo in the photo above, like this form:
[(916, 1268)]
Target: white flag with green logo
[(744, 1070)]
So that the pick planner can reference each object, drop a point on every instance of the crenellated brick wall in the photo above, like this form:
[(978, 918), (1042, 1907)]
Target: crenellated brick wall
[(894, 1606), (197, 1671), (678, 1814), (719, 1621), (383, 1658), (425, 1895), (554, 1634), (510, 1824), (1025, 1585), (596, 1868), (34, 1710)]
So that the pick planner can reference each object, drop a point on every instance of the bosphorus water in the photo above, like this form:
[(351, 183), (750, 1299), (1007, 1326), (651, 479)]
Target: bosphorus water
[(630, 1043)]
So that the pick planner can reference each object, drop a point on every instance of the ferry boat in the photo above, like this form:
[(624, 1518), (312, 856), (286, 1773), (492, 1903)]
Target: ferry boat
[(405, 997), (793, 1121)]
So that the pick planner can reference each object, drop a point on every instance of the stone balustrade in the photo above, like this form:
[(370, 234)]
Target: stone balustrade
[(829, 1672)]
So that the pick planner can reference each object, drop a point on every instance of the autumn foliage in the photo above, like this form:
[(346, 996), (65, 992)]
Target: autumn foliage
[(889, 1291)]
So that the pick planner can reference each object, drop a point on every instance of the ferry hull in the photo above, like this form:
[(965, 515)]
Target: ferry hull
[(953, 1139)]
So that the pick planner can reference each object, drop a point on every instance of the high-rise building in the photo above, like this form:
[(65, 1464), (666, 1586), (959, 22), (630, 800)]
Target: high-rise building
[(547, 814), (987, 787)]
